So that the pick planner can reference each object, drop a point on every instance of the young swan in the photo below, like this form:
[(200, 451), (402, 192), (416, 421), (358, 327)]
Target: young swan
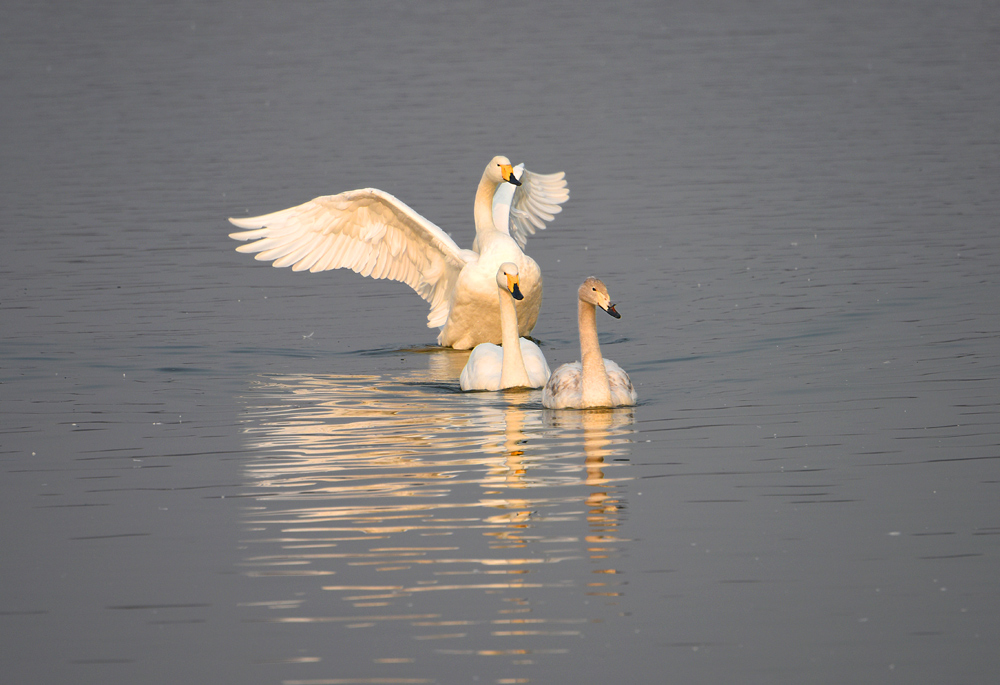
[(596, 382), (519, 363)]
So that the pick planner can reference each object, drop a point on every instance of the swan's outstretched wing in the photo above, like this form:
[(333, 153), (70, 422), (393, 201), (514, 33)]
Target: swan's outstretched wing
[(535, 201), (368, 231)]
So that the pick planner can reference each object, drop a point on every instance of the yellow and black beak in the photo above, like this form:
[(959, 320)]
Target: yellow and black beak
[(513, 287), (507, 173), (612, 311)]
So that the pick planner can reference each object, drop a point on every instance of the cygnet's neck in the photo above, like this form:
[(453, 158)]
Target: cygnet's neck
[(512, 371), (596, 390)]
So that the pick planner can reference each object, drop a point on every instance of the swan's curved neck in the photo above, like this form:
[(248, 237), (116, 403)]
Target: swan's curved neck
[(484, 207), (512, 371), (596, 389)]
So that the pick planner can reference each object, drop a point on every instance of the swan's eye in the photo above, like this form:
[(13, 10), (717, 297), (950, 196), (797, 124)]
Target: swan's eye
[(594, 289)]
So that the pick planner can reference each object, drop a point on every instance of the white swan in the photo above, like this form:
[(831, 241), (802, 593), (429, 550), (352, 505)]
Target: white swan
[(596, 382), (376, 235), (519, 363)]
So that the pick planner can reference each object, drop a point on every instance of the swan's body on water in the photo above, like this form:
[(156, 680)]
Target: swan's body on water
[(377, 235), (519, 363), (594, 381)]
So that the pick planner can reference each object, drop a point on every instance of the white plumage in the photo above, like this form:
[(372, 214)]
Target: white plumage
[(377, 235), (519, 363), (594, 381)]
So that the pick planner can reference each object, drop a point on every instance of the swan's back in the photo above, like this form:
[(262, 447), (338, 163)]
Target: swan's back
[(534, 363), (564, 389), (622, 392), (484, 369)]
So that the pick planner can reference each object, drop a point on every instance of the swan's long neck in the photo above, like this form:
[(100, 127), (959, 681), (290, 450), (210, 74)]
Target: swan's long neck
[(596, 389), (512, 372), (484, 208)]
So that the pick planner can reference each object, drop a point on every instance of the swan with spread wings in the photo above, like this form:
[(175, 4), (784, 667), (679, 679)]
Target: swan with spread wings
[(377, 235)]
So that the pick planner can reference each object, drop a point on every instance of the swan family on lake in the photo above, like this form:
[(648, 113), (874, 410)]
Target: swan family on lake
[(489, 294), (377, 235)]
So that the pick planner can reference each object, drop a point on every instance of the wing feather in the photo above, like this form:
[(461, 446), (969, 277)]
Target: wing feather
[(622, 391), (563, 389), (536, 201), (368, 231)]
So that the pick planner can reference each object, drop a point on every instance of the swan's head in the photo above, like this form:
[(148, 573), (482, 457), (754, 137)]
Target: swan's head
[(500, 170), (507, 278), (594, 292)]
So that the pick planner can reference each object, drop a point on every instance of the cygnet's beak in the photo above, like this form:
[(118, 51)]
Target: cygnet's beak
[(507, 173), (612, 311)]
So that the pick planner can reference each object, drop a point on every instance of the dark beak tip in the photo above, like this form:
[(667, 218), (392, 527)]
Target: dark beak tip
[(613, 312), (516, 293), (513, 180)]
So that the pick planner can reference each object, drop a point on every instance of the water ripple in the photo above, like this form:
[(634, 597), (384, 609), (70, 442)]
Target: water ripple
[(456, 509)]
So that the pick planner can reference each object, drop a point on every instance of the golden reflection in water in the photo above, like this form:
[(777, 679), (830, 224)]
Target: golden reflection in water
[(403, 495), (599, 427)]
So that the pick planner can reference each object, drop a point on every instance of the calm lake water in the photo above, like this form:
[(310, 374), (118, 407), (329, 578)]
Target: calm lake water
[(217, 471)]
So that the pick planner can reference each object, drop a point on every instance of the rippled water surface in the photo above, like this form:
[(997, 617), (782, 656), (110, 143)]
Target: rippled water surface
[(217, 471)]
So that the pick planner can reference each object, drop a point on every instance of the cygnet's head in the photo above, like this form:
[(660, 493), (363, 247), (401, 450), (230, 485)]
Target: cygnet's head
[(593, 291), (507, 278), (500, 170)]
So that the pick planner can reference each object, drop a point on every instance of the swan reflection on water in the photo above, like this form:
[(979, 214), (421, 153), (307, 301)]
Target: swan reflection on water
[(405, 489)]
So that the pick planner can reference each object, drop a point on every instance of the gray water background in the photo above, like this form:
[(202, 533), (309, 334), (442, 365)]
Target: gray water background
[(217, 471)]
